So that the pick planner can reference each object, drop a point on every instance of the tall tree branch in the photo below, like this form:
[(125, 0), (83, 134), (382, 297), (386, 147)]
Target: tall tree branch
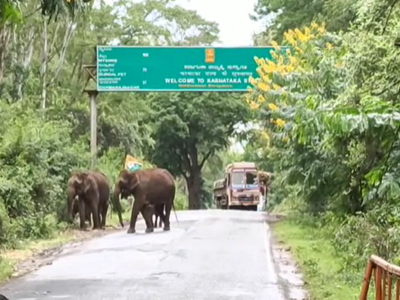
[(205, 157)]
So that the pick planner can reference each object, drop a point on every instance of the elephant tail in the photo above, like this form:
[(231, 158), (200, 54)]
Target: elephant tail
[(111, 207), (176, 216)]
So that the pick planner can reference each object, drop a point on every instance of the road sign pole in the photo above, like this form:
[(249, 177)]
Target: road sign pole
[(93, 128), (93, 93)]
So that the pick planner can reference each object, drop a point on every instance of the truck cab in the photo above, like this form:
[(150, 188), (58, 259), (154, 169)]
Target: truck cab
[(240, 187)]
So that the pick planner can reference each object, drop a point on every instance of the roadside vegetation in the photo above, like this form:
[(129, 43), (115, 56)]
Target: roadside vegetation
[(45, 115), (329, 121)]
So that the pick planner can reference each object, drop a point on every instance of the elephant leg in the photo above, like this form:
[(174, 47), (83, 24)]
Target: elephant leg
[(100, 212), (95, 214), (134, 214), (75, 209), (151, 211), (87, 214), (82, 214), (159, 214), (168, 207), (147, 216), (160, 223), (104, 215), (155, 219)]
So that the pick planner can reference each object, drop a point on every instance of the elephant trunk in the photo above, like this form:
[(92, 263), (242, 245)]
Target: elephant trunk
[(70, 201), (118, 204)]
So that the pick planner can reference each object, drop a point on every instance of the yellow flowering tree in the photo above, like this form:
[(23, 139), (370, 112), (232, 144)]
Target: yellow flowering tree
[(326, 127), (286, 82)]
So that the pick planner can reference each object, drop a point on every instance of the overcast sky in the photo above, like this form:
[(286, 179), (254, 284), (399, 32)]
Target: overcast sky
[(232, 16), (235, 26)]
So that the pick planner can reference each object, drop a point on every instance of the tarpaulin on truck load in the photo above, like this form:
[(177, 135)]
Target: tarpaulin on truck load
[(132, 164)]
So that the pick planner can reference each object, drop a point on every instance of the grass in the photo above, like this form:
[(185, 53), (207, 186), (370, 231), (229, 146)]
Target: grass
[(318, 262), (9, 259)]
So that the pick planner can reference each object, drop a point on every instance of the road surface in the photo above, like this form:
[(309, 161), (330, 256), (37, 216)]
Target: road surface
[(210, 254)]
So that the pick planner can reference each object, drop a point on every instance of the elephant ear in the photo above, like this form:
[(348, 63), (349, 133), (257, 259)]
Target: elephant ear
[(124, 178), (135, 180), (129, 180)]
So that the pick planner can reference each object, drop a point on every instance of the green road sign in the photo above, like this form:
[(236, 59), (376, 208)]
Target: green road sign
[(177, 69)]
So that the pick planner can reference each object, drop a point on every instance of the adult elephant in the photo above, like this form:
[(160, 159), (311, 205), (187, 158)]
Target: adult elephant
[(154, 186), (93, 191)]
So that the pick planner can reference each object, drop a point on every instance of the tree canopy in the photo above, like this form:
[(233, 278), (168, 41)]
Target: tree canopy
[(282, 15)]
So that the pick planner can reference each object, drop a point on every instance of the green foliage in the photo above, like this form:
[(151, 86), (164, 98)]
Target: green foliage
[(330, 129), (34, 155), (283, 15), (324, 275)]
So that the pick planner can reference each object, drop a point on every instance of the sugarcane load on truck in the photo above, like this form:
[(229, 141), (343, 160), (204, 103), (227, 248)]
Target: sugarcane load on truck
[(263, 179), (240, 187)]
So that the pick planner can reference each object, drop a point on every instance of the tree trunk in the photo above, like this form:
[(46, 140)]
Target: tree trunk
[(194, 186)]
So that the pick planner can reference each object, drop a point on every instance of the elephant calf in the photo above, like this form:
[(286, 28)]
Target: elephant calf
[(158, 212)]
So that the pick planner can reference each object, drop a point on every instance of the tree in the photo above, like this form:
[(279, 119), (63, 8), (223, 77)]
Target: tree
[(283, 15), (189, 128), (11, 10)]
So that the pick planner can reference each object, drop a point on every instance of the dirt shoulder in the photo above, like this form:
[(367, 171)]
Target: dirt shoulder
[(289, 276)]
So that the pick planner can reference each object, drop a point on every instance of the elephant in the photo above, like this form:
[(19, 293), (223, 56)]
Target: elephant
[(154, 186), (93, 191), (158, 212)]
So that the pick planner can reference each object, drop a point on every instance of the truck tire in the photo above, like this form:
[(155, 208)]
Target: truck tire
[(253, 207)]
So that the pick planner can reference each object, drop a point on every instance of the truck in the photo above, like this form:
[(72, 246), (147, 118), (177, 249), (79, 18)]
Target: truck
[(240, 187)]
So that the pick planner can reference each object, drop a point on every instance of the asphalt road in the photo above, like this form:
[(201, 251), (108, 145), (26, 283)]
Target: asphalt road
[(212, 254)]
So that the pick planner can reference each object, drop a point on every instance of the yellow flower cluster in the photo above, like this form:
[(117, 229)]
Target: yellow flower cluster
[(297, 37), (272, 106), (282, 63), (278, 122)]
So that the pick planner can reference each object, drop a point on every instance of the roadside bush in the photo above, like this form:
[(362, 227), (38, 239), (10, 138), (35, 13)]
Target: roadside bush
[(37, 157), (373, 232)]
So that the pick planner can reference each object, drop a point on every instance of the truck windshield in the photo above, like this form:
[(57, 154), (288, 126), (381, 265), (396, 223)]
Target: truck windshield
[(238, 177), (249, 177)]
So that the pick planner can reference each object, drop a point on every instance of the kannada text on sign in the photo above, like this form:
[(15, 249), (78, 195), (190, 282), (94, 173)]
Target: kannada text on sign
[(176, 68)]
